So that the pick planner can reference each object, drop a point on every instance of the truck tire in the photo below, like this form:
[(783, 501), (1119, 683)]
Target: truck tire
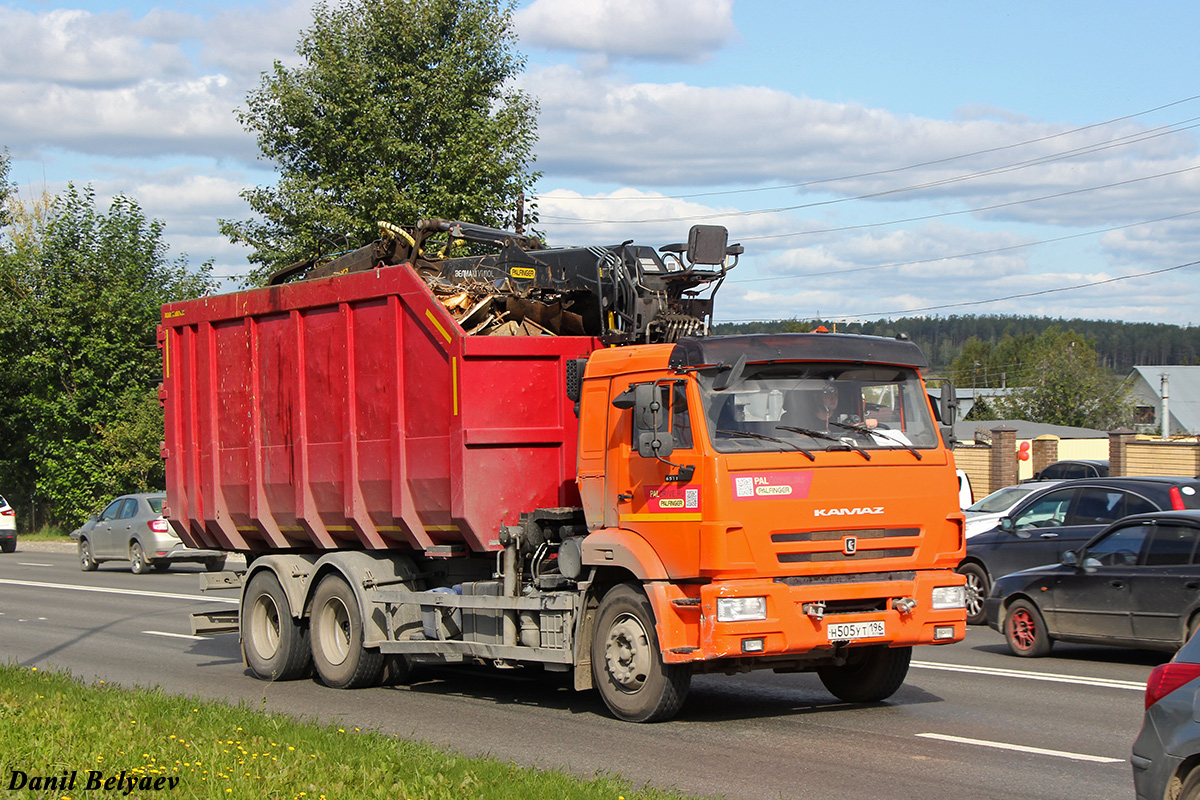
[(871, 674), (627, 665), (336, 626), (275, 643)]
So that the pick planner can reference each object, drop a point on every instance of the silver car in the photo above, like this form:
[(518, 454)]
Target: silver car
[(1166, 755), (132, 528)]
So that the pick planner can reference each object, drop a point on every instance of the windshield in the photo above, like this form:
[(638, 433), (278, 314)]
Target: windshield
[(808, 407), (1004, 499)]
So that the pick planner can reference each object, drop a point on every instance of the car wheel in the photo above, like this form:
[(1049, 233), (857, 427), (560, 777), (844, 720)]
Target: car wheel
[(9, 546), (161, 566), (977, 587), (1191, 787), (87, 562), (1025, 630), (138, 564), (215, 564)]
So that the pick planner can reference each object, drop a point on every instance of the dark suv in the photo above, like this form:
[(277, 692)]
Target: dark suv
[(1062, 517)]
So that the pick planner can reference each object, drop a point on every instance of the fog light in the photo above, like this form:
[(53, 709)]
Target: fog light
[(943, 632), (752, 645), (741, 609)]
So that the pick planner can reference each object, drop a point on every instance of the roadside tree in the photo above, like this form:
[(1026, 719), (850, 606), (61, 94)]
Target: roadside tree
[(401, 109), (80, 291)]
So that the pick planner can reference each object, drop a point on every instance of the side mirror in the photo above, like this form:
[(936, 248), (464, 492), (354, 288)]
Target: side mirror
[(948, 404), (648, 412), (1006, 524), (94, 516), (1070, 559)]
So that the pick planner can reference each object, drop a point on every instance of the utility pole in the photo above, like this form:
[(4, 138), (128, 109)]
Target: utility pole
[(1165, 379)]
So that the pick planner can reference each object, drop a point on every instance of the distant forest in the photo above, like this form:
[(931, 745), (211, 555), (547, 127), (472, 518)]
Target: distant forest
[(1120, 345)]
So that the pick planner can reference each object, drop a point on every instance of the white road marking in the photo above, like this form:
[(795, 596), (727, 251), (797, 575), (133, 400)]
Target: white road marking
[(104, 590), (1020, 748), (32, 564), (1079, 680), (177, 635)]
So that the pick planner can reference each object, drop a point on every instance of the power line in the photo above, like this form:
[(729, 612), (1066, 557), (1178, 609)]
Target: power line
[(1022, 295), (991, 251), (892, 170)]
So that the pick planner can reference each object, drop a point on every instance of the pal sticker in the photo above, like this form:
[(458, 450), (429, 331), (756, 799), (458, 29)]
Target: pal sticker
[(765, 485), (667, 499)]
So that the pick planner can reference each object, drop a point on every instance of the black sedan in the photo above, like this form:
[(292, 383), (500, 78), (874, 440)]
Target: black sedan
[(1060, 517), (1137, 584)]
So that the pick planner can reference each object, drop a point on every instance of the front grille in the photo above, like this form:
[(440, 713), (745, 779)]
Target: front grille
[(829, 545), (837, 536), (895, 552)]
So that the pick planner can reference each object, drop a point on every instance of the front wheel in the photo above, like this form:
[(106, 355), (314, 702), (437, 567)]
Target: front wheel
[(275, 643), (1025, 630), (977, 588), (870, 674), (337, 638), (627, 665), (87, 562)]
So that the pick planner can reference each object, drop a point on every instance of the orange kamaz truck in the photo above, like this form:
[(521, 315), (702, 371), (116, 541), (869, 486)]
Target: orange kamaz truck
[(537, 456)]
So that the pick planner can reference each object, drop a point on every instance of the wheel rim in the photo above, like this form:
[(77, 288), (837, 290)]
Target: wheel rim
[(85, 554), (1022, 629), (974, 593), (627, 653), (333, 630), (264, 626), (135, 556)]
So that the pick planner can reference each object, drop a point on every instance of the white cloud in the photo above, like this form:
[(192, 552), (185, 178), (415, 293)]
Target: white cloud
[(657, 30)]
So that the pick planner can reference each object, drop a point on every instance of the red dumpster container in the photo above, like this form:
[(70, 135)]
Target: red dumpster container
[(353, 412)]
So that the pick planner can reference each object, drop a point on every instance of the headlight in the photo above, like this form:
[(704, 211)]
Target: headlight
[(949, 597), (741, 609)]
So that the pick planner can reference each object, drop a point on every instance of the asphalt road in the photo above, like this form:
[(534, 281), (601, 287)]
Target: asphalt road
[(971, 721)]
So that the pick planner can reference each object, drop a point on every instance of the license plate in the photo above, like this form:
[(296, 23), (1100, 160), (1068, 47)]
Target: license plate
[(849, 631)]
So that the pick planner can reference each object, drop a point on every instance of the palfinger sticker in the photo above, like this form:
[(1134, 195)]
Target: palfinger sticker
[(762, 485), (666, 499)]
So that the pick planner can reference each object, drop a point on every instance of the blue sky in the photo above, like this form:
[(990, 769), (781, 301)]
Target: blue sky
[(876, 159)]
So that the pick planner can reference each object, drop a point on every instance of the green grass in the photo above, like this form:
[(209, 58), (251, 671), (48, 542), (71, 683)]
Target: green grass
[(46, 535), (53, 724)]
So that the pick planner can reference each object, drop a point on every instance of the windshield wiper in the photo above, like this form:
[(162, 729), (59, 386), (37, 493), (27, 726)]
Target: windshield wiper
[(764, 437), (842, 445), (883, 433)]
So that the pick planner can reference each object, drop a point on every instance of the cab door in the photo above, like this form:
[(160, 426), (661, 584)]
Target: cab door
[(103, 535), (666, 512)]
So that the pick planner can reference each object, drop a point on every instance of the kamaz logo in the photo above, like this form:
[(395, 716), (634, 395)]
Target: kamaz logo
[(847, 512), (850, 545)]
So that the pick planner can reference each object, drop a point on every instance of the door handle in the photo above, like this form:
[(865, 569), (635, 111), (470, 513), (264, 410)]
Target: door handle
[(1049, 535), (1117, 584)]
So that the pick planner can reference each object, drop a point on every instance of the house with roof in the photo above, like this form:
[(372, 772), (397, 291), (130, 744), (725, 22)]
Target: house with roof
[(1182, 386)]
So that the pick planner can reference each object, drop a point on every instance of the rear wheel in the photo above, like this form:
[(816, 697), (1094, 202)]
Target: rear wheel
[(1025, 630), (977, 589), (87, 561), (275, 643), (337, 638), (869, 675), (627, 665), (1191, 786), (9, 546), (138, 564)]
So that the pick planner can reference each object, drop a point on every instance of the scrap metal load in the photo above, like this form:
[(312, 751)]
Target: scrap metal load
[(621, 294)]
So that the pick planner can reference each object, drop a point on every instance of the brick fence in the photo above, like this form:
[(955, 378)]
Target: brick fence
[(994, 465)]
